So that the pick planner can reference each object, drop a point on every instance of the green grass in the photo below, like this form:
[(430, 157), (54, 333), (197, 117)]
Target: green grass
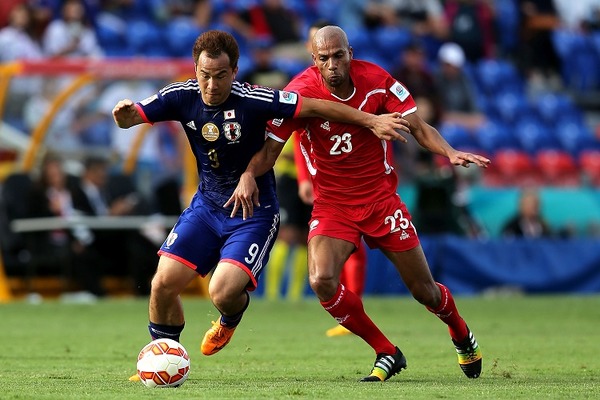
[(534, 348)]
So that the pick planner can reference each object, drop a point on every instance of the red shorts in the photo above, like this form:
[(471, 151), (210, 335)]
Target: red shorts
[(385, 224)]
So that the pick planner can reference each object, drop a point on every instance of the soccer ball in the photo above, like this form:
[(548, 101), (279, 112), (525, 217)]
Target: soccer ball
[(163, 363)]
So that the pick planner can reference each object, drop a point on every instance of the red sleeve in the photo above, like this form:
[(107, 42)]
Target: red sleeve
[(302, 170)]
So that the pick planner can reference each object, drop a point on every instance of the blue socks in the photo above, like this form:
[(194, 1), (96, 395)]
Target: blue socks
[(165, 331)]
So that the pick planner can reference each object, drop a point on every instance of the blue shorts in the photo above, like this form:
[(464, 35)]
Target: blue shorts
[(204, 236)]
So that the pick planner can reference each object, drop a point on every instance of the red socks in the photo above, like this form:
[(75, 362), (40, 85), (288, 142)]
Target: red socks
[(347, 309), (448, 313)]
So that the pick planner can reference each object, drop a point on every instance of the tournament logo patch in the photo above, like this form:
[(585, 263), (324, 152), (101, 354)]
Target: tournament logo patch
[(232, 131), (149, 100), (210, 132), (400, 91), (288, 97)]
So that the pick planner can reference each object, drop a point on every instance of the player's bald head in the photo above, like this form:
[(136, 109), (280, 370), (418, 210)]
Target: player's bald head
[(330, 34)]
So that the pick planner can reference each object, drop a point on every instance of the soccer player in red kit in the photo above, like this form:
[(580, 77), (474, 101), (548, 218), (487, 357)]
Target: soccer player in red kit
[(355, 197)]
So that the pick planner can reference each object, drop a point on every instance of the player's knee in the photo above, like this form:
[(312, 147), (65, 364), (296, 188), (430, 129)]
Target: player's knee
[(324, 286), (163, 287)]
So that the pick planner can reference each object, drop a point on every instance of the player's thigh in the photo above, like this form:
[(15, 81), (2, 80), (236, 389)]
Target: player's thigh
[(412, 267), (327, 255), (228, 280), (172, 275)]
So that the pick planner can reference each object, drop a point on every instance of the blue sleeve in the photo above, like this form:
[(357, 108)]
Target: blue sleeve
[(162, 106)]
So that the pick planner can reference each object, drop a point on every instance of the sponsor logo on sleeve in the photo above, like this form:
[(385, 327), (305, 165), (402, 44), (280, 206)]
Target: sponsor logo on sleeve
[(399, 91), (287, 97), (149, 100), (277, 121)]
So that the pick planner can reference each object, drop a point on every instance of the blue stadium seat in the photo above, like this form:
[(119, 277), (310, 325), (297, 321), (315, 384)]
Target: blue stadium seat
[(111, 34), (507, 22), (578, 58), (494, 135), (180, 35), (146, 38), (458, 136), (533, 135), (360, 40), (573, 136), (495, 75), (391, 41), (509, 106), (552, 107)]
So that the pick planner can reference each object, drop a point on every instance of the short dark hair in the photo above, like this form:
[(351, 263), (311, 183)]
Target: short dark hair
[(216, 42)]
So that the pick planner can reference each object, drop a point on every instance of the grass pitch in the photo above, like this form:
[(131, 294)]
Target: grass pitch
[(533, 347)]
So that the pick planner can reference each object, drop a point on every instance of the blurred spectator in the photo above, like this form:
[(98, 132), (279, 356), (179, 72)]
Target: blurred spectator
[(17, 43), (264, 72), (421, 17), (270, 19), (455, 89), (528, 222), (5, 8), (116, 252), (71, 35), (63, 132), (537, 55), (415, 74), (471, 26), (59, 250), (438, 208), (156, 157)]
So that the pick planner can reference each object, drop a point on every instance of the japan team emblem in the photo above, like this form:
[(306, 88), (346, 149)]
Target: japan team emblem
[(210, 132), (232, 131)]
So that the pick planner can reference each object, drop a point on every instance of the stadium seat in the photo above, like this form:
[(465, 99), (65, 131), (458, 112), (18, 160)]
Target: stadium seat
[(180, 35), (495, 76), (458, 136), (493, 136), (391, 40), (507, 22), (509, 106), (589, 163), (557, 168), (574, 136), (551, 107), (145, 38), (111, 33), (534, 136), (511, 167), (578, 58)]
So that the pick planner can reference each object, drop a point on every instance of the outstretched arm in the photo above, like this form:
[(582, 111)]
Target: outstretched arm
[(385, 126), (246, 192), (126, 114), (429, 137)]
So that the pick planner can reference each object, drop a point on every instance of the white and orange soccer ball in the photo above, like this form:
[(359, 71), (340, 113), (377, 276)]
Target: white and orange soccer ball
[(163, 363)]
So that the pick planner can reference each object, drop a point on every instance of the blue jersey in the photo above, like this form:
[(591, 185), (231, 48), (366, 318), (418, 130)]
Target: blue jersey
[(225, 137)]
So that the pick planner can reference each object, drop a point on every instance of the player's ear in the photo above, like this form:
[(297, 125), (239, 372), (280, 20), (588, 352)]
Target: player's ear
[(314, 59), (235, 71), (350, 51)]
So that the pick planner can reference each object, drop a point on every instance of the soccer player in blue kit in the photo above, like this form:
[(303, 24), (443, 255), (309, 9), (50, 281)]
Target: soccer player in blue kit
[(224, 121)]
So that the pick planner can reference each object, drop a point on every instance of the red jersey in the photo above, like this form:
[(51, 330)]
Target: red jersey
[(348, 163)]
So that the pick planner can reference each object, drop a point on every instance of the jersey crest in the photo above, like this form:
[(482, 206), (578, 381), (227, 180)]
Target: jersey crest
[(232, 131)]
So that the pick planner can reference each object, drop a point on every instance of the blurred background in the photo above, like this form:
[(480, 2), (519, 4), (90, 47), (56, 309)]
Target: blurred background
[(515, 80)]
